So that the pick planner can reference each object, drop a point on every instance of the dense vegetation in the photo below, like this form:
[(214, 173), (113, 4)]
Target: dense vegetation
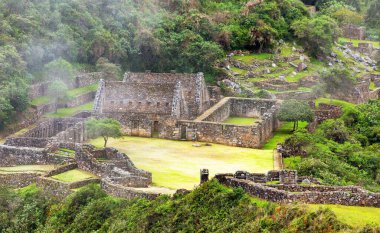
[(345, 151), (187, 36), (210, 208)]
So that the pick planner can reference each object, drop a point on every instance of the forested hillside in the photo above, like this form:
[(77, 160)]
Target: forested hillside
[(186, 36)]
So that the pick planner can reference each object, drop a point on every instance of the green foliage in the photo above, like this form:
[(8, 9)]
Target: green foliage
[(112, 71), (57, 91), (294, 111), (373, 17), (59, 69), (317, 35), (103, 127), (343, 151), (337, 79)]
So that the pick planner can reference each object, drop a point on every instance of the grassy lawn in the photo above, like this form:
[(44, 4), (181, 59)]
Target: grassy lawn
[(355, 216), (282, 133), (78, 91), (27, 168), (344, 104), (40, 100), (240, 120), (238, 71), (176, 164), (356, 42), (74, 175), (67, 112)]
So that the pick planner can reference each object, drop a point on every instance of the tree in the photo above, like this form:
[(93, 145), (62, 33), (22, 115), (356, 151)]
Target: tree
[(373, 15), (60, 69), (113, 71), (57, 91), (103, 127), (337, 80), (295, 111), (317, 35)]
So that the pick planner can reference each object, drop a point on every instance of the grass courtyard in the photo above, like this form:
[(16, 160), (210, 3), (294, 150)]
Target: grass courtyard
[(176, 164), (241, 120), (73, 176), (355, 216)]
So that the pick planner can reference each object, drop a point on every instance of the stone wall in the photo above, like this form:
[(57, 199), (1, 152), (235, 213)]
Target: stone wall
[(18, 179), (52, 127), (13, 156), (209, 128), (86, 79), (116, 167), (80, 100), (37, 90), (354, 32), (55, 188), (125, 192), (351, 196), (300, 95), (27, 142)]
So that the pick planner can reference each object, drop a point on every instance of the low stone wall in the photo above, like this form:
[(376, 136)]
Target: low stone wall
[(87, 79), (354, 32), (62, 169), (53, 187), (317, 188), (51, 127), (19, 179), (81, 99), (300, 95), (336, 195), (27, 142), (78, 184), (43, 109), (37, 90), (125, 192), (13, 156), (119, 168)]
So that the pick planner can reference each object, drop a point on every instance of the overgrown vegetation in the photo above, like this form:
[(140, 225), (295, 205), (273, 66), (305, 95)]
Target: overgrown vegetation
[(209, 208), (343, 151)]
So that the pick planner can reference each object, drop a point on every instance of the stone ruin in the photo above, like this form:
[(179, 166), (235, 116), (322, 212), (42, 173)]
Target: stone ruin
[(178, 106), (115, 172), (285, 186), (354, 32)]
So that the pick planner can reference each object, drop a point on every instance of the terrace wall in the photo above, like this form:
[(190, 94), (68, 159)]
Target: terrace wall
[(352, 196)]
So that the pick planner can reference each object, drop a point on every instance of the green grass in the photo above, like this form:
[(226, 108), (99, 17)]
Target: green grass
[(78, 91), (176, 164), (372, 86), (41, 100), (253, 56), (240, 120), (67, 112), (65, 152), (27, 168), (344, 104), (238, 71), (355, 216), (74, 175), (281, 134), (356, 42)]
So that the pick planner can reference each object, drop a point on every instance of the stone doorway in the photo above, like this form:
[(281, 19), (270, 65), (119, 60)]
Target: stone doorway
[(155, 129), (183, 132), (135, 128)]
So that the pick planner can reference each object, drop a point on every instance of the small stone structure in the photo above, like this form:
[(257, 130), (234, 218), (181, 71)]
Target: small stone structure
[(177, 106), (289, 190), (354, 32)]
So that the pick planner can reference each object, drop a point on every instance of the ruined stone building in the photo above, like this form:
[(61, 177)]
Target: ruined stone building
[(169, 105)]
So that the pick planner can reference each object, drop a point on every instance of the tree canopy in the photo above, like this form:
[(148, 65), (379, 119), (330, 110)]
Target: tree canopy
[(295, 111), (105, 128)]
